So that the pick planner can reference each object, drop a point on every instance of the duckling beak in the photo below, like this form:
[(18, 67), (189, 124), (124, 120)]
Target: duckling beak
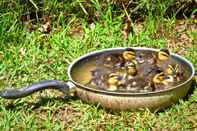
[(163, 54), (113, 82)]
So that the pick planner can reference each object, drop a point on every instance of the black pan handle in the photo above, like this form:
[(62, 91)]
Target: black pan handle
[(28, 90)]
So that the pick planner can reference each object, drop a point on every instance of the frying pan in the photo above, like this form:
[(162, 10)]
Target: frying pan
[(79, 74)]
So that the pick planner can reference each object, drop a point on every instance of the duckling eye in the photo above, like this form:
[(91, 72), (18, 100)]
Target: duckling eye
[(169, 78)]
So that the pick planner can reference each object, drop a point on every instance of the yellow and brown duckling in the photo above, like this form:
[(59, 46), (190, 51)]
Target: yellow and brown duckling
[(131, 69), (136, 71), (114, 82), (175, 71), (163, 59), (129, 54), (171, 69), (162, 81), (163, 54)]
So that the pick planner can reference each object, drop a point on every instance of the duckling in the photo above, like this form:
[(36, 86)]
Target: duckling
[(129, 54), (170, 70), (131, 69), (163, 54), (128, 71), (163, 59), (114, 82), (157, 81), (161, 81), (176, 71)]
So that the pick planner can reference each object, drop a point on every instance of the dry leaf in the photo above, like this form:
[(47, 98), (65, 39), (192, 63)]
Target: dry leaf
[(127, 28), (46, 27), (22, 51), (180, 51), (138, 27), (76, 31)]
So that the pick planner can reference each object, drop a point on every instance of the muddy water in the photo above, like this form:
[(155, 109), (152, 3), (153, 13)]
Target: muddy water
[(82, 73)]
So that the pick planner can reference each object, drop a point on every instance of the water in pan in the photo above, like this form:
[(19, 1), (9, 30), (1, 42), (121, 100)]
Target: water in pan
[(111, 72)]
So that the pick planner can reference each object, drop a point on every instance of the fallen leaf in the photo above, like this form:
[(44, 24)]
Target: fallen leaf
[(22, 51), (138, 27), (127, 28), (76, 31), (46, 27), (180, 51)]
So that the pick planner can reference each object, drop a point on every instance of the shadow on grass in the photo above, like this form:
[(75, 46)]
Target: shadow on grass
[(42, 102), (191, 90)]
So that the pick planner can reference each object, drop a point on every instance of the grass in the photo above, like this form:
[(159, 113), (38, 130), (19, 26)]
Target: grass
[(28, 57)]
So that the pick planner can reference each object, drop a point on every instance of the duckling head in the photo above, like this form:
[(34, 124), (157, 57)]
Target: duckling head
[(170, 70), (131, 68), (173, 70), (163, 54), (114, 81), (158, 78), (129, 54)]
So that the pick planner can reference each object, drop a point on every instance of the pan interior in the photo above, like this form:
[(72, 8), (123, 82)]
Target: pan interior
[(80, 71)]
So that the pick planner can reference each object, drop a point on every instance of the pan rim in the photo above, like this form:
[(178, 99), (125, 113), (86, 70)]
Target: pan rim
[(78, 85)]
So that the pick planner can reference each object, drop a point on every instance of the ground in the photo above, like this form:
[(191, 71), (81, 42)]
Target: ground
[(32, 50)]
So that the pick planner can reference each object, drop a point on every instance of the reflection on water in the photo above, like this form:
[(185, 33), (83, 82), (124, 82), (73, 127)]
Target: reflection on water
[(82, 72)]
